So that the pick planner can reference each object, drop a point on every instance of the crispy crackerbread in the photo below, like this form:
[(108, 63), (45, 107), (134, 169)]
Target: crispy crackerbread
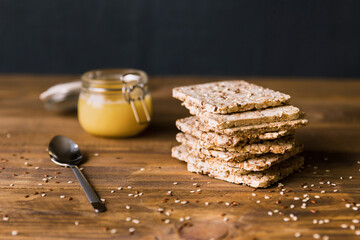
[(254, 179), (220, 142), (192, 125), (261, 179), (217, 121), (229, 96), (260, 163), (278, 146)]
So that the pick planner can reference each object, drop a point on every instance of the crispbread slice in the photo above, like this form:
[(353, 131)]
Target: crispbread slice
[(278, 146), (220, 142), (229, 96), (192, 125), (256, 164), (217, 122), (254, 179)]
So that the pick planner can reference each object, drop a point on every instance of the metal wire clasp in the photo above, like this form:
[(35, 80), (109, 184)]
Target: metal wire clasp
[(127, 92)]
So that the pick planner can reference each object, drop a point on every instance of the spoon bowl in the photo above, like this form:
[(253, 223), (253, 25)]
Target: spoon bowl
[(65, 152)]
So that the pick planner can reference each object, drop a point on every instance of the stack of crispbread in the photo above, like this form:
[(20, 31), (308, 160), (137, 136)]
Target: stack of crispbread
[(240, 132)]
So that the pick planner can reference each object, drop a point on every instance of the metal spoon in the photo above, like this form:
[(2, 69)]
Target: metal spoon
[(65, 152)]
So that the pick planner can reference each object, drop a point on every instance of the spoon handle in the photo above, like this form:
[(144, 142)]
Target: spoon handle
[(89, 191)]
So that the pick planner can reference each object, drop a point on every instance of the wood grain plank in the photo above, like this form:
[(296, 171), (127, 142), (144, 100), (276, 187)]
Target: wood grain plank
[(332, 152)]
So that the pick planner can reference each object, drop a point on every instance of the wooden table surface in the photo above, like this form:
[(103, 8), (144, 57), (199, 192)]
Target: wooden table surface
[(331, 176)]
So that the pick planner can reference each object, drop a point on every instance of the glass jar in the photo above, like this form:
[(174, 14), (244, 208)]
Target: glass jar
[(114, 102)]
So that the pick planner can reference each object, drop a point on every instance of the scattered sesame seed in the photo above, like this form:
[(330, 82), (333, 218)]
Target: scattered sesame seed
[(266, 197), (327, 170), (175, 183), (181, 219), (167, 221), (292, 206), (76, 223), (43, 195), (296, 198), (286, 219), (316, 236), (128, 219), (297, 234), (131, 230), (254, 194), (136, 221), (187, 218), (355, 221), (5, 218), (323, 191), (112, 191), (258, 201), (119, 188), (129, 187), (127, 207), (167, 213), (184, 202), (14, 232), (226, 219), (62, 196), (102, 199), (344, 226), (352, 227), (355, 208), (130, 194), (350, 177), (207, 203), (176, 200), (270, 213), (142, 169), (11, 185), (326, 237), (317, 196), (357, 232)]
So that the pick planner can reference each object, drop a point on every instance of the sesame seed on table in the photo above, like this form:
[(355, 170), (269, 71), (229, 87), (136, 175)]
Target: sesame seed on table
[(150, 195)]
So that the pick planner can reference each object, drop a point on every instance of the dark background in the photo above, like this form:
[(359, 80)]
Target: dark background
[(209, 37)]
